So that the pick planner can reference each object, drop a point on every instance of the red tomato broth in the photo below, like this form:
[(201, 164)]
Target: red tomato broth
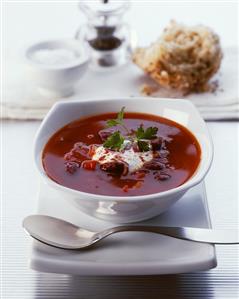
[(184, 157)]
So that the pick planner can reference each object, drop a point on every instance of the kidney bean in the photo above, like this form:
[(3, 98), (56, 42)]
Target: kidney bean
[(104, 134), (164, 153), (162, 176), (154, 165), (71, 167), (115, 167), (156, 143)]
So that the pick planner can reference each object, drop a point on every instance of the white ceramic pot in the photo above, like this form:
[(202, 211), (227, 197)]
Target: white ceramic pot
[(58, 79)]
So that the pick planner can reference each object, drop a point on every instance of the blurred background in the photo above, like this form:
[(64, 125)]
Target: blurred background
[(27, 22)]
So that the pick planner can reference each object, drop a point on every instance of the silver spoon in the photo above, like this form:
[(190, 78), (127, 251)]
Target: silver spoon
[(62, 234)]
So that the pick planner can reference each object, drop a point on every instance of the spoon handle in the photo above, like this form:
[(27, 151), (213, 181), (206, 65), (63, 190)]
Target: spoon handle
[(203, 235)]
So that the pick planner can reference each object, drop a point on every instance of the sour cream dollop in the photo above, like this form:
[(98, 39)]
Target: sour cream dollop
[(134, 160)]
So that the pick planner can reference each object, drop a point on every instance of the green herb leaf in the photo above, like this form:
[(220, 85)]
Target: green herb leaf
[(118, 120), (140, 132), (115, 141), (143, 146), (120, 115), (112, 122), (149, 133)]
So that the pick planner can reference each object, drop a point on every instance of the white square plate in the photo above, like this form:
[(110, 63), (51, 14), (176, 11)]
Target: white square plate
[(128, 253)]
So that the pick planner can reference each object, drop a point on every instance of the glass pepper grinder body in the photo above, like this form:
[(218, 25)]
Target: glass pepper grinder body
[(105, 35)]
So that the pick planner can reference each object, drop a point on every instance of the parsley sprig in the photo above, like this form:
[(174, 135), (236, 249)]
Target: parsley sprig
[(114, 141), (143, 145), (149, 133), (140, 136), (118, 121)]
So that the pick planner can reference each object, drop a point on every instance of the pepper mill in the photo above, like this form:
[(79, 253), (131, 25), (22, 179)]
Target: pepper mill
[(108, 39)]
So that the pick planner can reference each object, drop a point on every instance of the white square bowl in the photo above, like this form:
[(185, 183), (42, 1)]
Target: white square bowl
[(135, 208)]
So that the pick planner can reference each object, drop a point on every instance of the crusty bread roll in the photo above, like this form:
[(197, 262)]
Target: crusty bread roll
[(183, 58)]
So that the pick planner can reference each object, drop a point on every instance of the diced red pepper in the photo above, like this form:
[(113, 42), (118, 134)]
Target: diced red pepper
[(89, 164), (125, 188), (140, 175), (91, 151), (138, 185)]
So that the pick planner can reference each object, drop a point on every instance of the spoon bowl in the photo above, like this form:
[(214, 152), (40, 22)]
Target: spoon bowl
[(57, 232)]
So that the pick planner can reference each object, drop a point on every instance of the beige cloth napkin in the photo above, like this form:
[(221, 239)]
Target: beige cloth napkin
[(22, 100)]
